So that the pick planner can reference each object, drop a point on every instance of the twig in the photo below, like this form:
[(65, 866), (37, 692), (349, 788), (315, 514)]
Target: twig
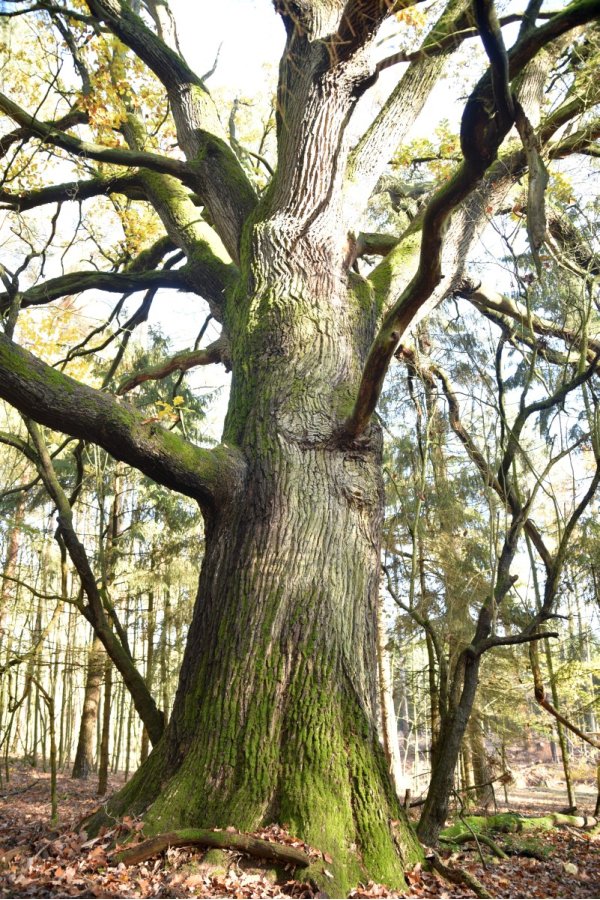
[(20, 790)]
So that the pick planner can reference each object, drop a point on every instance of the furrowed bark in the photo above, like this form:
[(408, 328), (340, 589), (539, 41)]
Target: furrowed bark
[(372, 153), (285, 616), (61, 403)]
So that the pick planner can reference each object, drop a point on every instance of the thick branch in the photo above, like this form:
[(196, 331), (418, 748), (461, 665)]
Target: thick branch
[(219, 178), (374, 150), (418, 291), (209, 269), (129, 185), (168, 66), (69, 120), (61, 403), (115, 282), (510, 640), (486, 120)]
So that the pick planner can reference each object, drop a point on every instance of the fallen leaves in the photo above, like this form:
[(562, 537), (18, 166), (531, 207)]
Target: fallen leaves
[(38, 861)]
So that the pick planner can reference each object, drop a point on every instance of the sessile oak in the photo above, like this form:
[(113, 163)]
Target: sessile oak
[(275, 718)]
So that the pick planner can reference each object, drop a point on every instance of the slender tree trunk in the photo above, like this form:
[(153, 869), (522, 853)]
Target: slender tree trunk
[(120, 704), (386, 699), (7, 587), (151, 623), (104, 741), (84, 756), (562, 738), (434, 696), (164, 653), (128, 742), (453, 726), (481, 774)]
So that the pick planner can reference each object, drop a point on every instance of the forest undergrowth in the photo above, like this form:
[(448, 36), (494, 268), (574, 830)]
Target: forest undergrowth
[(41, 860)]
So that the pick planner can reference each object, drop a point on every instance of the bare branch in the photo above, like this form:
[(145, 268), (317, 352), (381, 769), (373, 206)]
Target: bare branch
[(75, 191), (503, 490), (510, 640), (84, 149), (74, 117), (182, 362), (485, 298), (115, 282), (540, 695)]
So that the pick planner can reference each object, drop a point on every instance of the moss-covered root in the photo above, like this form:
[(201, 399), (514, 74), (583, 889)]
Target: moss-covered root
[(513, 822), (224, 840), (485, 839)]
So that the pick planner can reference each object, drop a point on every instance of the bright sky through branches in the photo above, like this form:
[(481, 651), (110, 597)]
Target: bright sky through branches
[(249, 32)]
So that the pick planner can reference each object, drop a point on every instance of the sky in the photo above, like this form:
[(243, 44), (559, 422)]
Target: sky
[(249, 33)]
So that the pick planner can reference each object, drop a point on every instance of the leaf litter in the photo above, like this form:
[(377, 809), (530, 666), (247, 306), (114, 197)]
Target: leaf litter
[(39, 860)]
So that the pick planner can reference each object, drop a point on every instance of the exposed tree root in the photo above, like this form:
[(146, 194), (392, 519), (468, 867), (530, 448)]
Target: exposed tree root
[(457, 876), (466, 836), (222, 840)]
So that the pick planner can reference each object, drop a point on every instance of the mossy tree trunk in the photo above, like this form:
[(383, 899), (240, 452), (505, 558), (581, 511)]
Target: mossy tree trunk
[(275, 714)]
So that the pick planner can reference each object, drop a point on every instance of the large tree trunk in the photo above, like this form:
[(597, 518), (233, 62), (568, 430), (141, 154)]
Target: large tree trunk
[(275, 714)]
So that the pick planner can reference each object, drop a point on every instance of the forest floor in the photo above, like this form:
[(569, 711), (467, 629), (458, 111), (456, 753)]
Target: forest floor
[(38, 860)]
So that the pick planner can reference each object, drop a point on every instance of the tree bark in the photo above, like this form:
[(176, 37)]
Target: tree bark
[(103, 757), (484, 791), (275, 714), (389, 727), (10, 563), (453, 726), (84, 756)]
